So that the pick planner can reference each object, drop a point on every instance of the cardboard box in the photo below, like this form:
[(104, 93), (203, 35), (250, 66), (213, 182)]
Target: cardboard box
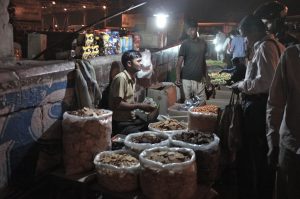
[(164, 95)]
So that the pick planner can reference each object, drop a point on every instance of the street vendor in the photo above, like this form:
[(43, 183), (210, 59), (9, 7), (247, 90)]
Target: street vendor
[(121, 97)]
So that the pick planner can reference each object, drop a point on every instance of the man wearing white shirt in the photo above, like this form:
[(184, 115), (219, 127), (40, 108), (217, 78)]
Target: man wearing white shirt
[(254, 175)]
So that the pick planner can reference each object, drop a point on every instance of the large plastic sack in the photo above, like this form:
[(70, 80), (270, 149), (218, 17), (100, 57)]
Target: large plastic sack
[(206, 148), (115, 175), (167, 126), (201, 120), (137, 142), (83, 138), (147, 68), (174, 176)]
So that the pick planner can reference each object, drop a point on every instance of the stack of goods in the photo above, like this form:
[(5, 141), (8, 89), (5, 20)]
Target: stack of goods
[(109, 43), (206, 147), (86, 132), (126, 43), (87, 46), (219, 78), (117, 171), (137, 142), (167, 126), (203, 118), (168, 173)]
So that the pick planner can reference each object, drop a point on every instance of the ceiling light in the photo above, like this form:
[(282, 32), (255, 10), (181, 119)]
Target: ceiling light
[(84, 6), (53, 2), (65, 9), (104, 7)]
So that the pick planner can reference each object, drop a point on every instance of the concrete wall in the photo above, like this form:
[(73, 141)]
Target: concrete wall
[(33, 97)]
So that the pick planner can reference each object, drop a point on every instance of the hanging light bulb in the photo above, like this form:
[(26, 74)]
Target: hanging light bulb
[(161, 20)]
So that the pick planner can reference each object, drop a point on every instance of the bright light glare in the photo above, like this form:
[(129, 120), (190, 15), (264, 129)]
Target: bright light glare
[(161, 20), (53, 2), (104, 7)]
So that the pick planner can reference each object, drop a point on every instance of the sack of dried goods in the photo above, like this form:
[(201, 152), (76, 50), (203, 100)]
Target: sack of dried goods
[(117, 171), (86, 132), (203, 118), (168, 173), (206, 147), (167, 126), (137, 142)]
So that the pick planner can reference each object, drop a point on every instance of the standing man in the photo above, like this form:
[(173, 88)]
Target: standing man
[(238, 47), (193, 75), (121, 97), (255, 178), (283, 116)]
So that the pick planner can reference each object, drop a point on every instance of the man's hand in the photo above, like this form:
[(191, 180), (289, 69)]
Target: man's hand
[(146, 107), (273, 157), (235, 88), (178, 82)]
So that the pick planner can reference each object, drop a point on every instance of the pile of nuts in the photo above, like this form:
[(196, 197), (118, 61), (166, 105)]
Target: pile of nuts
[(87, 112), (147, 138), (168, 157), (168, 125), (194, 137), (119, 160), (206, 109)]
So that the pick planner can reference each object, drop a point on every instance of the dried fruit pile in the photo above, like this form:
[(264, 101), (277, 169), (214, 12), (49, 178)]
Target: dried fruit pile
[(194, 137), (168, 125), (87, 112), (147, 138), (167, 157), (206, 109), (119, 160)]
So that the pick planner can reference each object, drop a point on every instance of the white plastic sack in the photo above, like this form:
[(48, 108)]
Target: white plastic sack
[(117, 179), (139, 147), (83, 138), (207, 157), (168, 181)]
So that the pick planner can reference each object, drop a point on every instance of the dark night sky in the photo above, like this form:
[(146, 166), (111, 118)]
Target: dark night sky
[(217, 10)]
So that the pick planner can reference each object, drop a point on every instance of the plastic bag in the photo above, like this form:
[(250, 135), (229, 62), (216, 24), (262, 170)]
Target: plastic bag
[(207, 156), (168, 181), (114, 178), (147, 68), (139, 147), (83, 138)]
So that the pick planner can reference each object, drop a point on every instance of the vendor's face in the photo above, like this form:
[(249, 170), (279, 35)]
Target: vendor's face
[(192, 32), (135, 64)]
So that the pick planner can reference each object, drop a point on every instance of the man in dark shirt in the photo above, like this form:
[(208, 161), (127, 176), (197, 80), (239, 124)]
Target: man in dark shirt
[(193, 74)]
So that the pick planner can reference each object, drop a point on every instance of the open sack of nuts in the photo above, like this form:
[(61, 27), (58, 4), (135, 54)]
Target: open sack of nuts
[(137, 142), (117, 171), (206, 147), (203, 118), (168, 173), (86, 132), (167, 126)]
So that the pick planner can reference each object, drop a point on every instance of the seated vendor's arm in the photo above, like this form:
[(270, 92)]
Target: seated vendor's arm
[(120, 104), (122, 96)]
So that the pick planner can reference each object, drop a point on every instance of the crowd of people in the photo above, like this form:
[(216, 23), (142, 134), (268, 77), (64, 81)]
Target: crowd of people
[(266, 62)]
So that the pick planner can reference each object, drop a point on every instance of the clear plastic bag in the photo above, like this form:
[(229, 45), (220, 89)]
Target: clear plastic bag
[(168, 181), (139, 147), (83, 138), (207, 157), (114, 178)]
